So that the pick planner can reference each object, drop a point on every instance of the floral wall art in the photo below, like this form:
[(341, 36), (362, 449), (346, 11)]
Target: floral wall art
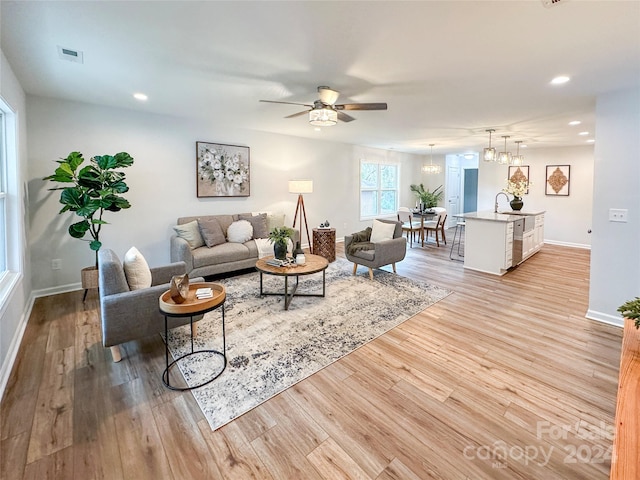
[(519, 176), (557, 180), (222, 170)]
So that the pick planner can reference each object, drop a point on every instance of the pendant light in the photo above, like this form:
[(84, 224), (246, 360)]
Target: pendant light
[(518, 159), (489, 152), (504, 158), (431, 169)]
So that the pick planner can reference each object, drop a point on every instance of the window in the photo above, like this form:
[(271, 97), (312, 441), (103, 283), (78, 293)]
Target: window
[(3, 198), (378, 188)]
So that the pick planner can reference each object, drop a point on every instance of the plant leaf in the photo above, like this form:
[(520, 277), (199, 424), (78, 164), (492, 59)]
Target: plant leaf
[(95, 245), (77, 230), (123, 159)]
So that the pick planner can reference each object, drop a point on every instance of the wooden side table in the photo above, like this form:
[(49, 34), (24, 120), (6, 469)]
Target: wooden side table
[(324, 243)]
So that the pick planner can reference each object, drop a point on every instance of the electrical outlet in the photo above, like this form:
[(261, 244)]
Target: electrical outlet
[(618, 215), (56, 264)]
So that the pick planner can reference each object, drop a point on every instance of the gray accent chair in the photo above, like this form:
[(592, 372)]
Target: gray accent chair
[(132, 314), (383, 253)]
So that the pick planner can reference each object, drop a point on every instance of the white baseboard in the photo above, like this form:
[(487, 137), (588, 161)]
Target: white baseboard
[(605, 318), (7, 366), (45, 292), (568, 244)]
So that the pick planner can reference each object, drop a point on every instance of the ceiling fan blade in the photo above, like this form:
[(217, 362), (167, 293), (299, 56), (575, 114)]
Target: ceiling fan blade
[(361, 106), (293, 115), (287, 103), (344, 117)]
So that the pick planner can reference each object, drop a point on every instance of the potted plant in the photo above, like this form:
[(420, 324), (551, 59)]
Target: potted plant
[(280, 236), (93, 189), (631, 310), (427, 198)]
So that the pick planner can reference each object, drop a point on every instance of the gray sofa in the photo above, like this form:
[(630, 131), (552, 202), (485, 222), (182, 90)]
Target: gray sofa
[(132, 314), (227, 257)]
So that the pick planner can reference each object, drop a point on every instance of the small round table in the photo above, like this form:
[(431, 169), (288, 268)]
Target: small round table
[(313, 264), (192, 307), (324, 243)]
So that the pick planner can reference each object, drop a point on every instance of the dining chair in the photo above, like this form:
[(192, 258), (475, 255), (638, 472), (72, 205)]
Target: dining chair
[(437, 225), (408, 224)]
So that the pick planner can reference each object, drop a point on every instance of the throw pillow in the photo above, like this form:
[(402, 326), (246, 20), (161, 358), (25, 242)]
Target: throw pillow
[(240, 231), (191, 233), (136, 270), (259, 224), (382, 231), (275, 221), (211, 231)]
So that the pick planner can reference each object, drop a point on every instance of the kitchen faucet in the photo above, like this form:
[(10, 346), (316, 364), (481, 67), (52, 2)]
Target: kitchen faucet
[(495, 209)]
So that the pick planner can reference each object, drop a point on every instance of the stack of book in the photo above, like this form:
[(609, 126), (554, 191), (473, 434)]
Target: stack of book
[(202, 293)]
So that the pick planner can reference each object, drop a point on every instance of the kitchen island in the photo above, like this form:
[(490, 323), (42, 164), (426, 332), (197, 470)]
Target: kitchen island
[(496, 242)]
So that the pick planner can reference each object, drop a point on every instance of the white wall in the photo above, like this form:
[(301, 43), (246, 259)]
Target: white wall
[(615, 253), (162, 180), (568, 218), (14, 313)]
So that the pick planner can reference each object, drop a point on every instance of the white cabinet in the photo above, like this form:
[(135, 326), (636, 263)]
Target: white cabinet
[(538, 233), (488, 246)]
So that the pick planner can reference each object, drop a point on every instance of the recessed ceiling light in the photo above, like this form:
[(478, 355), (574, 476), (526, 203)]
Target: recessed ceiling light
[(560, 80), (317, 129), (575, 122), (140, 96), (591, 140), (583, 133)]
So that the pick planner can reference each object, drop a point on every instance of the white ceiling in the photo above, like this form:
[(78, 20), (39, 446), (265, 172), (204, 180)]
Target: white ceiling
[(447, 69)]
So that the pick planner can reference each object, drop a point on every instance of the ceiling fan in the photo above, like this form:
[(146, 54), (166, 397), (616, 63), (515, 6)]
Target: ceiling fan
[(324, 112)]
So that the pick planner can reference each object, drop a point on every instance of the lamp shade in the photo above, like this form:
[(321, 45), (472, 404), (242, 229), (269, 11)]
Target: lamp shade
[(300, 186)]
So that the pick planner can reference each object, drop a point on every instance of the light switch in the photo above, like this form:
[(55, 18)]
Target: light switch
[(618, 215)]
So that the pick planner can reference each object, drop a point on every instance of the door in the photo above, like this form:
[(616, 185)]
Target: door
[(470, 195), (453, 194)]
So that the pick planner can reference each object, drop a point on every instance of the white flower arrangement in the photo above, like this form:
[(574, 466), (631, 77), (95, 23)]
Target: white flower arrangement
[(517, 189), (228, 172)]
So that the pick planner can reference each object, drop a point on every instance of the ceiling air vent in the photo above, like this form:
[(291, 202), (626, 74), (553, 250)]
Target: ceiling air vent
[(70, 55), (551, 3)]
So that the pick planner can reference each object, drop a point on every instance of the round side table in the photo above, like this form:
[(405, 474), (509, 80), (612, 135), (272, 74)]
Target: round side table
[(324, 243), (192, 307)]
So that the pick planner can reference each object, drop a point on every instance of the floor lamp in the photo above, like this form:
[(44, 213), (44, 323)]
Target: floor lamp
[(300, 187)]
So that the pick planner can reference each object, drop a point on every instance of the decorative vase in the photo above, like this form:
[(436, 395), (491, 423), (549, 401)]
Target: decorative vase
[(280, 250), (298, 250), (516, 203)]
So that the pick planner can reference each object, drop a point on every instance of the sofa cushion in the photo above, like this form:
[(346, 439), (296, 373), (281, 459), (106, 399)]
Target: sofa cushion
[(259, 224), (211, 231), (224, 253), (136, 269), (240, 231), (382, 231), (191, 233), (275, 221), (364, 254)]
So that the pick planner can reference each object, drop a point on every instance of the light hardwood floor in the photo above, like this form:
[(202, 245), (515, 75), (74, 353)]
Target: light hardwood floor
[(503, 379)]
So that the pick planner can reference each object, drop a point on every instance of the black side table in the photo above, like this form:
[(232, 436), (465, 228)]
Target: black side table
[(192, 307)]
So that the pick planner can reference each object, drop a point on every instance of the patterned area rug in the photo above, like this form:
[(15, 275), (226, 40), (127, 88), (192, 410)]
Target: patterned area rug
[(270, 349)]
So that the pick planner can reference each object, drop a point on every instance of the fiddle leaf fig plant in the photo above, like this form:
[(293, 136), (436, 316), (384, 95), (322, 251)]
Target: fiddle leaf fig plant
[(631, 310), (94, 188)]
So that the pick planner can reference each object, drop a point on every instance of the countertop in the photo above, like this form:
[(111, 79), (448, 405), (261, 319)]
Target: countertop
[(507, 216)]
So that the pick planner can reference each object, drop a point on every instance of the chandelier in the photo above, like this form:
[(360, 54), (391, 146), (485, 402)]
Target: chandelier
[(431, 169)]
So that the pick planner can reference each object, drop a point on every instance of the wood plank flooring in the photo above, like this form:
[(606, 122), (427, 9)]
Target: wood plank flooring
[(503, 379)]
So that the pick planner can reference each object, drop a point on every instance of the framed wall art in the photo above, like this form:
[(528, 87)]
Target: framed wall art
[(222, 170), (557, 180), (519, 174)]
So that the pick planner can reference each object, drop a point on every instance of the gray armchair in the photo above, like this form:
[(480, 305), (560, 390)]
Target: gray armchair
[(132, 314), (360, 251)]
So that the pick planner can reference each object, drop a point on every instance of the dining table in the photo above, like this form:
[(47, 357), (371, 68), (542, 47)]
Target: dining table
[(428, 214)]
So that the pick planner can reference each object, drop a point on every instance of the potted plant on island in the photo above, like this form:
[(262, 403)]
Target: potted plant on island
[(280, 237), (94, 188), (427, 198), (631, 310)]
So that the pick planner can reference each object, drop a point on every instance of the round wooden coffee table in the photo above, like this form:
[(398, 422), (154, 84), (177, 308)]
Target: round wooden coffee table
[(192, 307), (313, 264)]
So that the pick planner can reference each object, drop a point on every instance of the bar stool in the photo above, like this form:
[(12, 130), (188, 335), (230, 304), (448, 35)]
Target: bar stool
[(458, 234)]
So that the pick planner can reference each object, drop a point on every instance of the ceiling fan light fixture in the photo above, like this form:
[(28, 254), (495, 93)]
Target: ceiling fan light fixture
[(489, 153), (323, 117)]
